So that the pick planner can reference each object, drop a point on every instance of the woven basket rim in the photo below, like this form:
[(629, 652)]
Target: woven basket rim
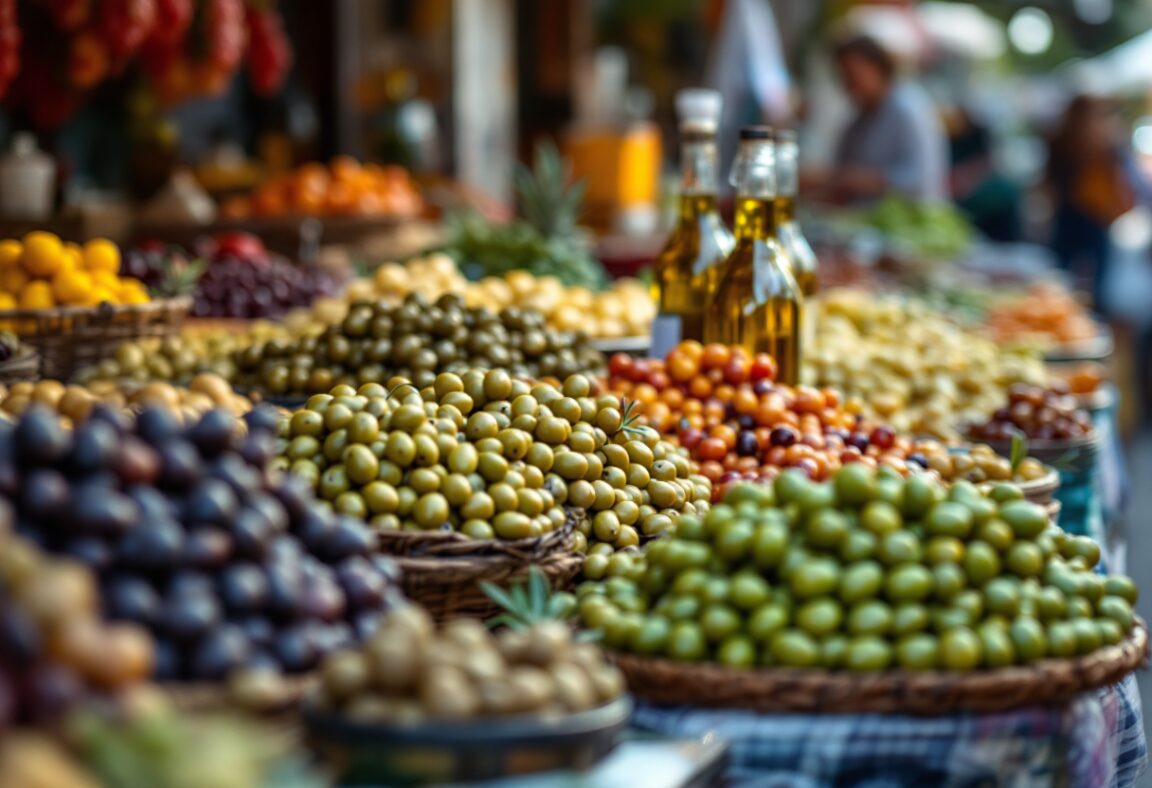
[(1044, 683), (155, 305), (453, 544)]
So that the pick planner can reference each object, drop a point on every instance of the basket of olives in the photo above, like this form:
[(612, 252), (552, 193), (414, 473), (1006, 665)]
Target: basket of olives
[(479, 476), (869, 593), (69, 338), (228, 565), (415, 340), (421, 704)]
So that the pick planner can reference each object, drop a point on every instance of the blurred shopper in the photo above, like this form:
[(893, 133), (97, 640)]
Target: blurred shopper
[(1093, 183), (989, 198), (896, 143)]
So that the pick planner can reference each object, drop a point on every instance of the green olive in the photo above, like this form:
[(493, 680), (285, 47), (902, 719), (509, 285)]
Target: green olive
[(514, 525), (686, 642), (819, 617), (917, 652), (997, 533), (431, 510), (1030, 639), (360, 464), (908, 583), (504, 497), (871, 617), (479, 506), (570, 465), (867, 653), (982, 563), (959, 649), (861, 581), (766, 620), (381, 498), (737, 652), (855, 485), (333, 481), (815, 577), (1026, 519), (794, 648), (401, 449), (492, 466)]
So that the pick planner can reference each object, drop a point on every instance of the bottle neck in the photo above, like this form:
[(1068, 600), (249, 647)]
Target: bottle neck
[(787, 169), (754, 176), (699, 168)]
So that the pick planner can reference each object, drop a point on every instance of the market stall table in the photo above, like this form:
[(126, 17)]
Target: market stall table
[(1097, 740)]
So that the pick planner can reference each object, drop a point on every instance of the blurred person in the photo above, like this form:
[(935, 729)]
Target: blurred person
[(1093, 182), (896, 143), (989, 198)]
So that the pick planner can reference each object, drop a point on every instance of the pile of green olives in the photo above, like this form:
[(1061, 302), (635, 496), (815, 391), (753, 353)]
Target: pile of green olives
[(491, 456), (864, 572), (415, 340)]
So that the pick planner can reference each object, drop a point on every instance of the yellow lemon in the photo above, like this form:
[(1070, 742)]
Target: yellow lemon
[(12, 280), (37, 295), (72, 287), (133, 291), (106, 280), (100, 254), (102, 294), (43, 254), (10, 252), (73, 256), (7, 301)]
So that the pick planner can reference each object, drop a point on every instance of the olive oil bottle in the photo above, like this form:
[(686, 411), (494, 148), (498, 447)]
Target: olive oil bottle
[(686, 271), (804, 263), (758, 304)]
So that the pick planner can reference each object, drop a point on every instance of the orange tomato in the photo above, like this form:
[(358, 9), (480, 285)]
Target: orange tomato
[(715, 356)]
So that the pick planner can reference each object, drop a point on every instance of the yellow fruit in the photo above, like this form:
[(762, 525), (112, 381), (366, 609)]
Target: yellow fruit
[(7, 301), (106, 280), (37, 294), (73, 256), (72, 287), (10, 251), (43, 254), (102, 294), (12, 280), (100, 254), (133, 291)]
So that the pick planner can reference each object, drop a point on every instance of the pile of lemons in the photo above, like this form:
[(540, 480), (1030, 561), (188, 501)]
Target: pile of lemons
[(41, 271)]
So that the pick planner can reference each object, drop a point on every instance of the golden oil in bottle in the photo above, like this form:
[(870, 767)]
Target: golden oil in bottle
[(686, 271), (804, 262), (758, 304)]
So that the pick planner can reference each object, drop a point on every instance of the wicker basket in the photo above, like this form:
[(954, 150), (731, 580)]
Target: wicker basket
[(24, 366), (68, 338), (443, 570), (1047, 682)]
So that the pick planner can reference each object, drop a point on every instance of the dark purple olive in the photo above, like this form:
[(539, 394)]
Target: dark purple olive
[(243, 588), (113, 417), (191, 616), (262, 419), (285, 548), (152, 503), (296, 498), (349, 537), (237, 474), (39, 439), (259, 630), (93, 447), (45, 495), (224, 649), (285, 592), (295, 649), (747, 445), (19, 638), (92, 551), (186, 582), (152, 546), (272, 510), (207, 547), (858, 439), (258, 449), (103, 511), (167, 660), (364, 624), (135, 462), (179, 465), (316, 529), (158, 426), (130, 598), (212, 502), (324, 599), (363, 585), (213, 433), (918, 458), (251, 534), (388, 568), (782, 436)]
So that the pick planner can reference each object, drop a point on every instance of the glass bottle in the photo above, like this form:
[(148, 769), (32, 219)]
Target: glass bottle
[(804, 263), (686, 271), (758, 304)]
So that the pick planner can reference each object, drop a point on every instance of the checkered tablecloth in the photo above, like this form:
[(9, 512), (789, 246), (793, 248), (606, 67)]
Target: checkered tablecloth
[(1095, 741)]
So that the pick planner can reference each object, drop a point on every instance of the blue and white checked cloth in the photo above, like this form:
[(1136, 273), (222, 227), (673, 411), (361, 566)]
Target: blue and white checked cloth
[(1095, 741)]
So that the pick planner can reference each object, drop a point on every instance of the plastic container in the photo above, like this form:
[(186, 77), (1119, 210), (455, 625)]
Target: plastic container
[(27, 180)]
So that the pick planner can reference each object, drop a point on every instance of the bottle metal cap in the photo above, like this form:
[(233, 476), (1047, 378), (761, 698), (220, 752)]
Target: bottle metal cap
[(699, 107)]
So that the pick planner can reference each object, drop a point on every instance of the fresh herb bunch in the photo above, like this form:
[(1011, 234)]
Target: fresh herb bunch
[(547, 241)]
